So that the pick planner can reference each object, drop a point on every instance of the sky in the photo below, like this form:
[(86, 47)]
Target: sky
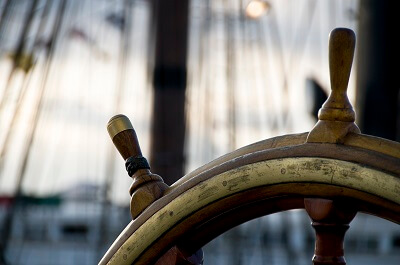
[(252, 72)]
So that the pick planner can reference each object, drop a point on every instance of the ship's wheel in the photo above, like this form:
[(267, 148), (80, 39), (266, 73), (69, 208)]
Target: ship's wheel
[(332, 172)]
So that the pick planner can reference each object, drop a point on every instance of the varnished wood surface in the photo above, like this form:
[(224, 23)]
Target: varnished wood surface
[(124, 136), (127, 144), (146, 186), (330, 219)]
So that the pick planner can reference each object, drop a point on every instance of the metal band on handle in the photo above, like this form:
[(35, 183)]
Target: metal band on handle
[(117, 124), (134, 163)]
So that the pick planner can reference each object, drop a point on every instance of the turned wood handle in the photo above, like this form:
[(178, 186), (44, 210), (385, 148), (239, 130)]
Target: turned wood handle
[(124, 136), (336, 117), (341, 52)]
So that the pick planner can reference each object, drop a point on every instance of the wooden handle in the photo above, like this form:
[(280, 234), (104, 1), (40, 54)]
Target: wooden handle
[(341, 52), (146, 187), (336, 117), (124, 136)]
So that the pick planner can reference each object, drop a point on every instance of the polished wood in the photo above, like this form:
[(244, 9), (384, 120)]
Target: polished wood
[(151, 189), (146, 186), (330, 220), (124, 136), (127, 144)]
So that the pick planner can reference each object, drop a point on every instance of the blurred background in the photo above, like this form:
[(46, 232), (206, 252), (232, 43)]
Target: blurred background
[(198, 79)]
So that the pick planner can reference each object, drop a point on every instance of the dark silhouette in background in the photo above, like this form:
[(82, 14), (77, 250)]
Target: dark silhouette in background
[(316, 96), (378, 83)]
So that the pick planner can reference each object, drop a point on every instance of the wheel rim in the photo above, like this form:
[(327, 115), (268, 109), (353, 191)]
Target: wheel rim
[(368, 177)]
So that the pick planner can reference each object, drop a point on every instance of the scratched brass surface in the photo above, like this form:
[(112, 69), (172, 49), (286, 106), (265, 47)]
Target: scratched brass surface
[(287, 170), (363, 141)]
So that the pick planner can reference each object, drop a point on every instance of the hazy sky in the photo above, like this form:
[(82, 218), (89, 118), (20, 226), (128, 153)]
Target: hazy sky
[(70, 143)]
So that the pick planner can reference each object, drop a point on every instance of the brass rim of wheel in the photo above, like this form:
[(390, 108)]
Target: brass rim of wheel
[(267, 177)]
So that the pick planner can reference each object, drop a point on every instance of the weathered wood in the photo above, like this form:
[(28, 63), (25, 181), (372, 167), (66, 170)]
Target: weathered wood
[(169, 219), (366, 142), (226, 214), (336, 117), (373, 143), (271, 143)]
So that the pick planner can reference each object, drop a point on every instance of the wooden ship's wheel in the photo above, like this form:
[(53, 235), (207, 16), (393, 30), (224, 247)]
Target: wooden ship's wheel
[(332, 172)]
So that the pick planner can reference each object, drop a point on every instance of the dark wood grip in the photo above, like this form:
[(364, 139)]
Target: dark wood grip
[(146, 186), (124, 136)]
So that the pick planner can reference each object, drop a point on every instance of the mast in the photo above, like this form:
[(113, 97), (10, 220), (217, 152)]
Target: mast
[(170, 26)]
